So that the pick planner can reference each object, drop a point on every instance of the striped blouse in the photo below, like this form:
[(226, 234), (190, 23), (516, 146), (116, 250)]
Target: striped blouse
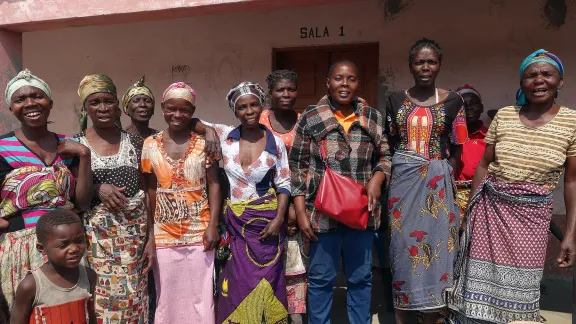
[(20, 211), (534, 155)]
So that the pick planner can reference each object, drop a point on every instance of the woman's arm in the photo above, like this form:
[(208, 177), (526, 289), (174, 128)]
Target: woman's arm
[(567, 256), (82, 173), (455, 154), (282, 184), (211, 237), (211, 138), (299, 162), (150, 248), (383, 167), (482, 169), (24, 300), (481, 172)]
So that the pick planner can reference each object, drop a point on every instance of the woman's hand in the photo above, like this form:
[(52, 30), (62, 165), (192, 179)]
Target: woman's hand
[(272, 229), (70, 148), (149, 254), (212, 142), (211, 238), (305, 227), (112, 197), (3, 224), (374, 190), (292, 221), (567, 254)]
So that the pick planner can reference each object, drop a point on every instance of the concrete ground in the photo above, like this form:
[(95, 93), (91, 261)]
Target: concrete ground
[(556, 302)]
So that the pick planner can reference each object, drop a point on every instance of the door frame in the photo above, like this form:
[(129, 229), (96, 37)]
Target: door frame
[(324, 48)]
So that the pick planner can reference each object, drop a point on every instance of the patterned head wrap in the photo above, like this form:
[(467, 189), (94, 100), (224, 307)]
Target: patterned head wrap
[(468, 89), (138, 88), (23, 79), (179, 90), (244, 89), (540, 55), (91, 84)]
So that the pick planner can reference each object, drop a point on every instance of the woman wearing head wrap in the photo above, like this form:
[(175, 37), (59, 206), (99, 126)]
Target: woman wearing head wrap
[(252, 287), (39, 171), (138, 103), (500, 265), (178, 172), (117, 223)]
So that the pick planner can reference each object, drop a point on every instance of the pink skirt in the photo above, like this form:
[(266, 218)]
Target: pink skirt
[(184, 286)]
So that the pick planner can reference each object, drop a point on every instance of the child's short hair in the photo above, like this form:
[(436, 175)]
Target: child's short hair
[(52, 219)]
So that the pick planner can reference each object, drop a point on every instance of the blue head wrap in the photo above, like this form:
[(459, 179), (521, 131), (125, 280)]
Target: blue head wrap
[(538, 56)]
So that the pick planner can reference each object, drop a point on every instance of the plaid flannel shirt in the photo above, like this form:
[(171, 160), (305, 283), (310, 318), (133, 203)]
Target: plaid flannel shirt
[(356, 154)]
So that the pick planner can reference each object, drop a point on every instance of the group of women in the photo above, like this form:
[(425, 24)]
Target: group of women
[(152, 200)]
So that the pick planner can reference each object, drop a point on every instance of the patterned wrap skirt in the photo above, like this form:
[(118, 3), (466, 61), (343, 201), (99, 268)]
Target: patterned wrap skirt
[(18, 256), (116, 248), (252, 283), (424, 222), (500, 265)]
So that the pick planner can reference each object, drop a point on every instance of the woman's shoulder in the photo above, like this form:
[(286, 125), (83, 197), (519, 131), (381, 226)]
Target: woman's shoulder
[(451, 97), (508, 111), (567, 112), (79, 135), (10, 136)]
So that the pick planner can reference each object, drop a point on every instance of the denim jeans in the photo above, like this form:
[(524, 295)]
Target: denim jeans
[(356, 249)]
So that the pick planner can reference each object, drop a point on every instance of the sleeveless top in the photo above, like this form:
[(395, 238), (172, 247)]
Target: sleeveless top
[(54, 304), (287, 138)]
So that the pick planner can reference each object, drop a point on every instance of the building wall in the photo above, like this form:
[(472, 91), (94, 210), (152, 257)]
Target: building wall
[(483, 44)]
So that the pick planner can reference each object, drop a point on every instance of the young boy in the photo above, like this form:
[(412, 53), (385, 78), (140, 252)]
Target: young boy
[(61, 290)]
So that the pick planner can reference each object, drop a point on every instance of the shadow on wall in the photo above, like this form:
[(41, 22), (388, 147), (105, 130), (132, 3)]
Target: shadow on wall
[(554, 11), (393, 7)]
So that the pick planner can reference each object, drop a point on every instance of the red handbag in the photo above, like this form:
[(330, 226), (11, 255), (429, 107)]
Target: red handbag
[(341, 198)]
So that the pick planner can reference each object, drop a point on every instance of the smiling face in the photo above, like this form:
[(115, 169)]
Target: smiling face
[(425, 67), (65, 245), (473, 107), (284, 95), (248, 109), (541, 82), (343, 83), (102, 108), (140, 108), (178, 113), (31, 106)]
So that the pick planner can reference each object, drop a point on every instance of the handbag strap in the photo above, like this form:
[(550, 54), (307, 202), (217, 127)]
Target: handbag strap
[(323, 153)]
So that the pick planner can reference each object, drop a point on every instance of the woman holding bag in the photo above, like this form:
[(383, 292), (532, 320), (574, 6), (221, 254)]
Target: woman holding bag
[(343, 138)]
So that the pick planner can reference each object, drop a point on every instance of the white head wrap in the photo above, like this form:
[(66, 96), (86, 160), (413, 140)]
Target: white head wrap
[(23, 79), (244, 89)]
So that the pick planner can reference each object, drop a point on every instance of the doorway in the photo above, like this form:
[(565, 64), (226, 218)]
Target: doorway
[(312, 64)]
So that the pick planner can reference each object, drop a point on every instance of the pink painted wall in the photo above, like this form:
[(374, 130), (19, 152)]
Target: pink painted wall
[(483, 44), (10, 65)]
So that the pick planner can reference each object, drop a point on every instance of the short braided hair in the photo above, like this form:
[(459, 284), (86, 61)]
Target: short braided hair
[(278, 75), (424, 43), (51, 219), (339, 62)]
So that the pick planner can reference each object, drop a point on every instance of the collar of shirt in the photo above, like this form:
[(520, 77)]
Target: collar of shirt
[(354, 104), (482, 131), (271, 147)]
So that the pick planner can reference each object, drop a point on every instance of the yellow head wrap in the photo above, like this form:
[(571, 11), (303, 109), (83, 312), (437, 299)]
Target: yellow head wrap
[(138, 88), (95, 83)]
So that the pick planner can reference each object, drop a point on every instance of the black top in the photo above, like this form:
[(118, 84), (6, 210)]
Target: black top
[(121, 169)]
